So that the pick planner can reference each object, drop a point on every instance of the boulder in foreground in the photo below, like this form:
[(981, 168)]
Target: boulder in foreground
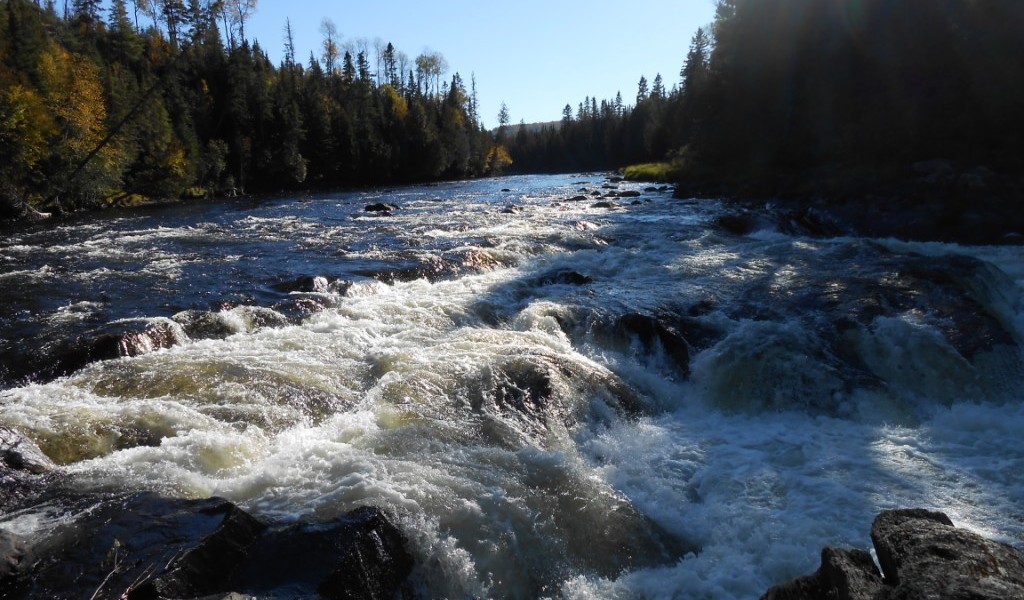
[(923, 556)]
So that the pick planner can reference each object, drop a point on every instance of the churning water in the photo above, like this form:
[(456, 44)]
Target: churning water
[(551, 398)]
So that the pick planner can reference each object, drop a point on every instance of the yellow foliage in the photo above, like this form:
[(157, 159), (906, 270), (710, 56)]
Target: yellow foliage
[(74, 96), (497, 159), (399, 107), (25, 126), (176, 162)]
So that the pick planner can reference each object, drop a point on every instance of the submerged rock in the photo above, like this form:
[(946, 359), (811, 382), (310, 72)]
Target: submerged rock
[(922, 555)]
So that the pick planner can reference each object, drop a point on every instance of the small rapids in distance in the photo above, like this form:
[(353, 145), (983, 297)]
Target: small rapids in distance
[(551, 397)]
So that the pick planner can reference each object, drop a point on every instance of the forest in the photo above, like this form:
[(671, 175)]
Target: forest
[(97, 110), (774, 95), (778, 93)]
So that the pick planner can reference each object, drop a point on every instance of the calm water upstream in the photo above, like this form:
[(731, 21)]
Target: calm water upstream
[(550, 398)]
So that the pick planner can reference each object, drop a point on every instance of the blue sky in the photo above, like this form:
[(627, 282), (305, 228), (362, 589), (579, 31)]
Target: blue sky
[(534, 55)]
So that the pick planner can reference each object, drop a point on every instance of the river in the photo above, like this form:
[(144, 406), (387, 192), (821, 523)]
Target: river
[(550, 396)]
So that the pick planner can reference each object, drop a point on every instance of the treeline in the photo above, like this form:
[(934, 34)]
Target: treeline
[(788, 90), (95, 109)]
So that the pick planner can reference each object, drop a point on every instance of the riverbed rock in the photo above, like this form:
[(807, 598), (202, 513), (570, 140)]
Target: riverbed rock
[(739, 223), (205, 325), (843, 575), (362, 555), (381, 207), (16, 558), (564, 277), (129, 337), (923, 556), (144, 546), (675, 333), (19, 453)]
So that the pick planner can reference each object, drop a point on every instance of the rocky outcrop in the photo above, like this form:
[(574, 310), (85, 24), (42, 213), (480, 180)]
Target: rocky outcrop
[(922, 555), (147, 547)]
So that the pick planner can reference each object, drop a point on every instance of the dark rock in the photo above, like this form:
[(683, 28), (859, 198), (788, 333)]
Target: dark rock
[(381, 207), (604, 205), (636, 202), (506, 190), (924, 556), (843, 575), (652, 331), (131, 337), (741, 223), (204, 325), (16, 558), (140, 546), (651, 189), (148, 547), (564, 278), (205, 566), (303, 283), (809, 221), (431, 267), (576, 199), (361, 555), (628, 194)]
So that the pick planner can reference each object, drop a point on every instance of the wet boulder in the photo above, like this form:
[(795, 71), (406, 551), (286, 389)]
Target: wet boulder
[(139, 546), (25, 470), (210, 325), (739, 223), (129, 337), (845, 574), (810, 222), (359, 556), (381, 207), (205, 325), (564, 277), (18, 453), (147, 547), (922, 555), (16, 558), (675, 334)]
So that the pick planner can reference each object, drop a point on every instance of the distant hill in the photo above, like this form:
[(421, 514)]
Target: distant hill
[(513, 128)]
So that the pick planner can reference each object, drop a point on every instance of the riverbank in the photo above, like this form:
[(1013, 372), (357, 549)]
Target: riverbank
[(930, 201)]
